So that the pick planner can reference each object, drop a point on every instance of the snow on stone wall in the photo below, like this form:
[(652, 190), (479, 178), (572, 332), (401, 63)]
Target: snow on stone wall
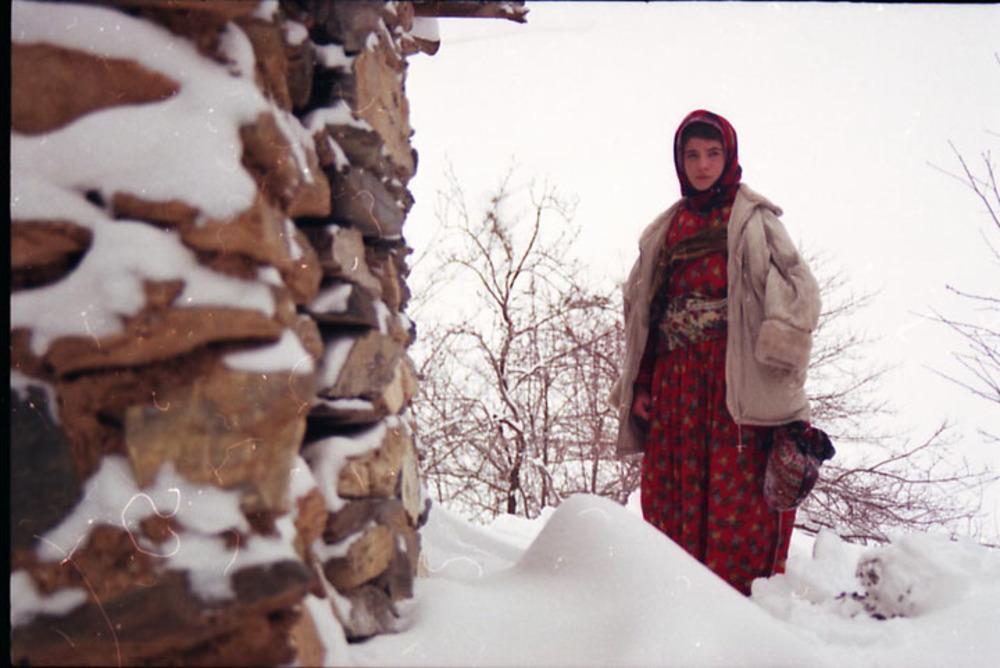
[(212, 460)]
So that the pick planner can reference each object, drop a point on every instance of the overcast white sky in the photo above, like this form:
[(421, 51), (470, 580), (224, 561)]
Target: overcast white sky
[(841, 109)]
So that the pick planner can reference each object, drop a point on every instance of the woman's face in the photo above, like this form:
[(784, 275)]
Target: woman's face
[(704, 161)]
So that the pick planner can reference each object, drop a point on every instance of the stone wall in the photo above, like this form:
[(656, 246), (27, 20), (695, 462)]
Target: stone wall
[(212, 459)]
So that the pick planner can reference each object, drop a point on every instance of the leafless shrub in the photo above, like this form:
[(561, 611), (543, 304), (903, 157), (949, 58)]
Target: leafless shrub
[(512, 411)]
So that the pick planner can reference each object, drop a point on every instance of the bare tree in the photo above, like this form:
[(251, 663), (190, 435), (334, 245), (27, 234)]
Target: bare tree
[(511, 413), (900, 486), (844, 391), (980, 361), (882, 480), (598, 348)]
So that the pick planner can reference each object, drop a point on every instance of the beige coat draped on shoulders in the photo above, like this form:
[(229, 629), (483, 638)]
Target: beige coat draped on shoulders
[(773, 308)]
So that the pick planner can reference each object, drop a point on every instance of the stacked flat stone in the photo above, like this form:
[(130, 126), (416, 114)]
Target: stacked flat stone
[(212, 457), (257, 353)]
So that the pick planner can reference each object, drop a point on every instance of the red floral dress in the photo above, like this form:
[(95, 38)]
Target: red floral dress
[(702, 475)]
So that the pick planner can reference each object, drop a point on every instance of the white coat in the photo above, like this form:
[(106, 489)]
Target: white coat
[(773, 308)]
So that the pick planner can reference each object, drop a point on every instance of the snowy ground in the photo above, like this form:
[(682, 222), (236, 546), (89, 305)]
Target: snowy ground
[(591, 584)]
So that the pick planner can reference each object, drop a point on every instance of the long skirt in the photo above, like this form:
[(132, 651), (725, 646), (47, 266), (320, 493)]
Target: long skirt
[(703, 476)]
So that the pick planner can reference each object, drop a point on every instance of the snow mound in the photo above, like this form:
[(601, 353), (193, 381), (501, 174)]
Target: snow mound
[(922, 573), (923, 600), (597, 587), (591, 584), (452, 548)]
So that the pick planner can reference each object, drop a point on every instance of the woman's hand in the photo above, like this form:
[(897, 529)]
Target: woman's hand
[(641, 404)]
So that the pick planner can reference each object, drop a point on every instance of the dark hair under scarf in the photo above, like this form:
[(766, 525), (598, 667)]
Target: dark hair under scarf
[(724, 190)]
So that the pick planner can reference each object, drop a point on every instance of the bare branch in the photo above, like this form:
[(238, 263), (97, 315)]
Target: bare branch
[(979, 365)]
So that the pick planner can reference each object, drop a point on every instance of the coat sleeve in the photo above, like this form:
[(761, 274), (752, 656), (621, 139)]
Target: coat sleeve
[(791, 302), (618, 392)]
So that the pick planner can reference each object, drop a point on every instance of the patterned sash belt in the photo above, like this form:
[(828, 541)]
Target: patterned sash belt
[(692, 319)]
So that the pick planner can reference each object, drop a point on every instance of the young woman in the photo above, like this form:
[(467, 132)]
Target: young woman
[(719, 314)]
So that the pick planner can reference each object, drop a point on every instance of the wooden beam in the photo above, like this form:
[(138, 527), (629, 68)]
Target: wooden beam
[(513, 11)]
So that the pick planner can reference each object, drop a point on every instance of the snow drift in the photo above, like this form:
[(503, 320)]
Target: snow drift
[(592, 584)]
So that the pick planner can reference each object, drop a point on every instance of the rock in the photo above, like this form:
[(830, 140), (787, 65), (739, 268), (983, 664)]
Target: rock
[(235, 429), (308, 332), (376, 370), (258, 233), (343, 305), (170, 213), (310, 647), (106, 561), (159, 529), (287, 313), (264, 640), (157, 334), (327, 414), (291, 178), (163, 622), (367, 558), (369, 368), (358, 514), (378, 473), (398, 393), (404, 15), (362, 146), (301, 59), (93, 404), (271, 58), (381, 101), (341, 253), (372, 613), (52, 86), (365, 149), (196, 20), (397, 579), (411, 491), (388, 264), (350, 520), (301, 274), (45, 484), (301, 271), (311, 520), (346, 23), (361, 199), (44, 251), (24, 361), (356, 519)]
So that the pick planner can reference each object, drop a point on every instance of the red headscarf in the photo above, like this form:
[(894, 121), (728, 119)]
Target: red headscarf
[(724, 190)]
